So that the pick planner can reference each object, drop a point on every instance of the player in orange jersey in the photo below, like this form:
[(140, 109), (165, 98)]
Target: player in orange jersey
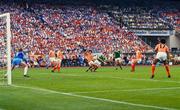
[(162, 55), (89, 57), (52, 57), (58, 59), (136, 60)]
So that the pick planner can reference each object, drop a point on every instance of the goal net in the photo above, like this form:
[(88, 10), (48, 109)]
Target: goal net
[(5, 50)]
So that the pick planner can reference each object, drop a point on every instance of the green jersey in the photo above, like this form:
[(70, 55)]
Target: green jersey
[(117, 54), (103, 58)]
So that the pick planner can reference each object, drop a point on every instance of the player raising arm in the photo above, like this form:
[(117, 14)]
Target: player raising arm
[(162, 55)]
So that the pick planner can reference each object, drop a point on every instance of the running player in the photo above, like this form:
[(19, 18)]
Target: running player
[(18, 60), (59, 57), (138, 59), (89, 57), (162, 56), (52, 57), (118, 60)]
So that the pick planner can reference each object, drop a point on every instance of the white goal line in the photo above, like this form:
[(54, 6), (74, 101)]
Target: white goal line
[(94, 98)]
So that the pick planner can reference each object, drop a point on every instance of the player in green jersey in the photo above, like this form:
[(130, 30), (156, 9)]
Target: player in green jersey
[(118, 60)]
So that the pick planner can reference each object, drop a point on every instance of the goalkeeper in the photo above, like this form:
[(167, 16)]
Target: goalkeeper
[(20, 60)]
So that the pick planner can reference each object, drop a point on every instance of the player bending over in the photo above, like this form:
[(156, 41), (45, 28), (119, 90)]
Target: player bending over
[(96, 63), (162, 55), (118, 60), (89, 57), (136, 60), (57, 64), (19, 60)]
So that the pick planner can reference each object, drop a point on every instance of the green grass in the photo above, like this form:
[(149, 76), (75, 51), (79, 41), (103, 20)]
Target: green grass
[(106, 89)]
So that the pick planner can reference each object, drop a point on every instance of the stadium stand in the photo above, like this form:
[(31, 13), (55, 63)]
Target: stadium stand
[(42, 27), (74, 29), (141, 18), (172, 16)]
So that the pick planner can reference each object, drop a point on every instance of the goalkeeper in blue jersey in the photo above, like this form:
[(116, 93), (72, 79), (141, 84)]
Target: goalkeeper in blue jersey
[(20, 60)]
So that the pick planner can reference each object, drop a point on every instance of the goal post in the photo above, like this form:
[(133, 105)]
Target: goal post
[(7, 48)]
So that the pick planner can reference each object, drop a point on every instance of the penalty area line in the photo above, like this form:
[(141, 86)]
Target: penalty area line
[(138, 79), (111, 77), (127, 90), (94, 98)]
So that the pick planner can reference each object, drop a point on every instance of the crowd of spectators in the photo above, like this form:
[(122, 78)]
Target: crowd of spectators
[(72, 29), (141, 18), (172, 16), (42, 27)]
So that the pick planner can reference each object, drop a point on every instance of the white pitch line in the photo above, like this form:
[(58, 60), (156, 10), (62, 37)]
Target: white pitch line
[(155, 80), (95, 98), (128, 90)]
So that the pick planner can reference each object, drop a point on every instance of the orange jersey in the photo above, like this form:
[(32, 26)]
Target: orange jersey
[(138, 55), (52, 53), (59, 55), (31, 55), (88, 56), (161, 48)]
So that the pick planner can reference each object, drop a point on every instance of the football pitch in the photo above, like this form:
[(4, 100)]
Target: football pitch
[(106, 89)]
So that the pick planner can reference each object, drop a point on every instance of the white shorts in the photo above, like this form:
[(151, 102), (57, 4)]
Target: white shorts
[(52, 59), (118, 60), (58, 60), (97, 63), (90, 63), (35, 63), (178, 58), (139, 61), (162, 56)]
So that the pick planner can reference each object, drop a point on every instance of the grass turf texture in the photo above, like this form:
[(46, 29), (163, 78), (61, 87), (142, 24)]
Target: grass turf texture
[(106, 89)]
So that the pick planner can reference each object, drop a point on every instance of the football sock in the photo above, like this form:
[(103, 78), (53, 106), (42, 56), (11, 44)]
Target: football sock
[(153, 69), (59, 66), (25, 70), (132, 67), (167, 70), (55, 67)]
